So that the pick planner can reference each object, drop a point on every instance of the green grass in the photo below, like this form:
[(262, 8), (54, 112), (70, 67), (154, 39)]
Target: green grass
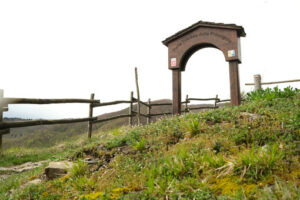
[(245, 152)]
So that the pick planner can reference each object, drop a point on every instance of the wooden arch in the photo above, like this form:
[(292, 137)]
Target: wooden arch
[(182, 45)]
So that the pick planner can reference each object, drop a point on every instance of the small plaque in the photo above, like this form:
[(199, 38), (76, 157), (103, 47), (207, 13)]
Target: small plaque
[(231, 53), (173, 62)]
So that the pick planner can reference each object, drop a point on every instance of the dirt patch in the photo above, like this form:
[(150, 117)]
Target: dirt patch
[(7, 171)]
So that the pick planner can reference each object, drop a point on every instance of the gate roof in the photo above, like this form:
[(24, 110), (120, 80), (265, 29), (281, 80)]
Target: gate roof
[(240, 30)]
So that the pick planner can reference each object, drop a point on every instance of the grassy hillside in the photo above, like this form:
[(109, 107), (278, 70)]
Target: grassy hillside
[(245, 152)]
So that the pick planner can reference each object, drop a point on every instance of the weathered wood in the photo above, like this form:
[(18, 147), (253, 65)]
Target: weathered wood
[(130, 109), (202, 107), (186, 103), (144, 103), (224, 100), (158, 114), (4, 131), (143, 115), (111, 118), (257, 81), (138, 97), (161, 104), (45, 101), (234, 83), (4, 109), (275, 82), (90, 124), (1, 118), (110, 103), (216, 100), (202, 99), (176, 86), (5, 125), (149, 112)]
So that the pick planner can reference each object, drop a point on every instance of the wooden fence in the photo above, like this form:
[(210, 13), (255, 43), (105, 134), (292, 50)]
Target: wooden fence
[(257, 82), (93, 103)]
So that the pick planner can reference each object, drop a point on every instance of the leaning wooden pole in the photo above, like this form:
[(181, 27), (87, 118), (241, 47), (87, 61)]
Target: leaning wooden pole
[(90, 124), (130, 109), (138, 97)]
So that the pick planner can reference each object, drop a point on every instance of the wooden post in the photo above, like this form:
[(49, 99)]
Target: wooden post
[(216, 101), (257, 82), (130, 109), (186, 103), (1, 118), (138, 97), (235, 94), (149, 112), (176, 78), (90, 124)]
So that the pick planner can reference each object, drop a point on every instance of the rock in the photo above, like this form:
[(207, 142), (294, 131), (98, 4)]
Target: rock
[(57, 169), (32, 182), (251, 116), (22, 168), (127, 150)]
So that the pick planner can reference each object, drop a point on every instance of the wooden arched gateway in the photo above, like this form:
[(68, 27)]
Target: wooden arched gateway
[(181, 46)]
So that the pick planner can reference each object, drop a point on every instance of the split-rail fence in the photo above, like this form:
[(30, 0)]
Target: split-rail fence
[(93, 103)]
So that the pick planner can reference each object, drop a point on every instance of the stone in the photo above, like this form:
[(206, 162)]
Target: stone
[(251, 116), (57, 169)]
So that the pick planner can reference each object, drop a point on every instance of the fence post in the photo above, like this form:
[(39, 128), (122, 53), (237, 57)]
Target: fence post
[(257, 82), (90, 123), (1, 118), (138, 97), (186, 103), (130, 109), (149, 112), (216, 101)]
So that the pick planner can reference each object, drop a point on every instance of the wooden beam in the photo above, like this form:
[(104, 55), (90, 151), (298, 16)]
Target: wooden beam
[(138, 97), (224, 100), (90, 125), (235, 95), (130, 109), (4, 109), (216, 100), (202, 107), (202, 99), (145, 104), (5, 125), (149, 111), (276, 82), (110, 103), (176, 78), (111, 118), (4, 131), (160, 104), (45, 101), (158, 114)]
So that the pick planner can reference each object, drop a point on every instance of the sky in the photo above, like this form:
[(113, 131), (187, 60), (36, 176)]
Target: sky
[(71, 48)]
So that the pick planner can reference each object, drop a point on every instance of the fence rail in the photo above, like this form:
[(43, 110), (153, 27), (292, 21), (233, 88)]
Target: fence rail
[(93, 103), (45, 101), (6, 125), (257, 82)]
